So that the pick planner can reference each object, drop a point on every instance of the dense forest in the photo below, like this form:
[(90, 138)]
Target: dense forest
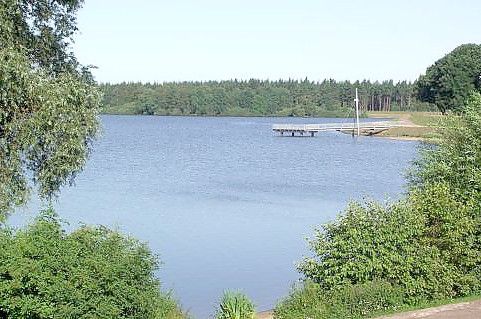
[(259, 97)]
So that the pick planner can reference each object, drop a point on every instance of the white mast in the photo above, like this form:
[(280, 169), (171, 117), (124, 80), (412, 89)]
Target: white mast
[(357, 114)]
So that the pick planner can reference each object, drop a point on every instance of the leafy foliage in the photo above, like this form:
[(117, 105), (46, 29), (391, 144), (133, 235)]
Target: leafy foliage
[(364, 243), (46, 127), (456, 160), (370, 242), (235, 305), (451, 173), (42, 30), (48, 104), (452, 78), (256, 97), (90, 273)]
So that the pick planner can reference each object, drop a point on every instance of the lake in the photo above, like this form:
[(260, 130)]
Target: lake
[(224, 202)]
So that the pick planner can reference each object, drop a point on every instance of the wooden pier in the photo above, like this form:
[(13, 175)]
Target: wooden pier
[(365, 128), (356, 128)]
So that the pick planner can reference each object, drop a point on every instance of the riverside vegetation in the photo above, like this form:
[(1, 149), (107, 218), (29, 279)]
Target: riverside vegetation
[(373, 258), (378, 258)]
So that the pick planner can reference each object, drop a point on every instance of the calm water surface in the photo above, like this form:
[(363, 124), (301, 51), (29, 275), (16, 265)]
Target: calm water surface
[(224, 202)]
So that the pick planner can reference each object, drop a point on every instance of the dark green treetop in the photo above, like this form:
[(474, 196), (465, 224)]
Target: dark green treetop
[(450, 80)]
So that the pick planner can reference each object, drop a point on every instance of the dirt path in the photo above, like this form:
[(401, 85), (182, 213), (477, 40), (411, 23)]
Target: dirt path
[(403, 118), (465, 310), (265, 315), (406, 128)]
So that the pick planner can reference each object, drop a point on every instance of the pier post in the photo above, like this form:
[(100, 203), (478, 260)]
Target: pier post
[(356, 100)]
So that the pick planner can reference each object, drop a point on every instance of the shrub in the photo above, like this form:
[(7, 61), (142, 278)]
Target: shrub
[(456, 160), (310, 300), (445, 187), (365, 299), (235, 305), (306, 300), (366, 242), (428, 245), (92, 272)]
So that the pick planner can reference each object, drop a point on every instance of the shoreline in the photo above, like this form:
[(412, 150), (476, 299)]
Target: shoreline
[(413, 126), (402, 138), (329, 116)]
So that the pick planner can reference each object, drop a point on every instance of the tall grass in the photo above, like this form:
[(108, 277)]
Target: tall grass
[(235, 305)]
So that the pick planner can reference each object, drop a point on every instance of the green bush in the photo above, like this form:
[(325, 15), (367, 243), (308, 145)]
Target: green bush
[(366, 299), (310, 300), (452, 232), (457, 157), (92, 272), (445, 187), (235, 305), (365, 242), (306, 300)]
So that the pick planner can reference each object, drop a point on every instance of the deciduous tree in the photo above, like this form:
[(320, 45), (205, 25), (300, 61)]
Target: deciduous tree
[(48, 102), (450, 80)]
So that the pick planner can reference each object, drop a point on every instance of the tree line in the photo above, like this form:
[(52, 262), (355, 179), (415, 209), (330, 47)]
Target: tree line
[(445, 86), (259, 97)]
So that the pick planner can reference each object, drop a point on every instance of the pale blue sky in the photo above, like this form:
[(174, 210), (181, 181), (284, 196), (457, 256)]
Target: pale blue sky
[(177, 40)]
